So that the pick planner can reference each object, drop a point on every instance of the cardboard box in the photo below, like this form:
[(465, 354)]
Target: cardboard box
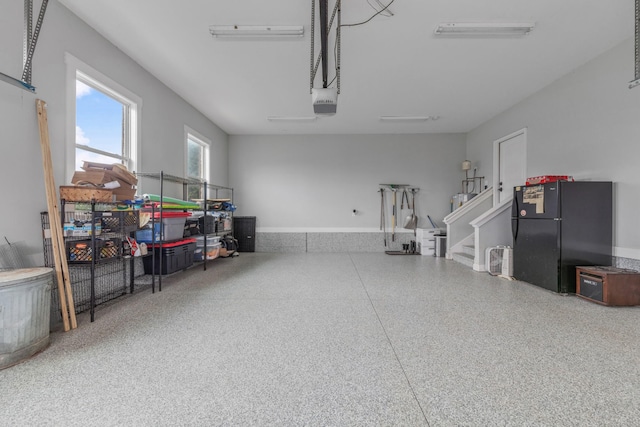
[(116, 170), (124, 192), (92, 176), (100, 177)]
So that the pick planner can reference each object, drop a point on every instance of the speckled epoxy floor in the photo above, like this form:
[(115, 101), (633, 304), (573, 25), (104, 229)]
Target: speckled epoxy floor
[(336, 339)]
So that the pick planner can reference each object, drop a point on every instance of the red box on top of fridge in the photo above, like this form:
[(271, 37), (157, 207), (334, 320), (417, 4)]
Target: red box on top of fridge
[(543, 179)]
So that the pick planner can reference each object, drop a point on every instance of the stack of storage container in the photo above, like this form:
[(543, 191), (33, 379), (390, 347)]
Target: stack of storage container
[(176, 251), (427, 241), (213, 248)]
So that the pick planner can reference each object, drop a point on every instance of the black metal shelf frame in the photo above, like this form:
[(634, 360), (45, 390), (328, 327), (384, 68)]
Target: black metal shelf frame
[(185, 182)]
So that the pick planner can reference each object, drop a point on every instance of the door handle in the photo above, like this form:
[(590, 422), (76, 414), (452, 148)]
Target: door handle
[(500, 186)]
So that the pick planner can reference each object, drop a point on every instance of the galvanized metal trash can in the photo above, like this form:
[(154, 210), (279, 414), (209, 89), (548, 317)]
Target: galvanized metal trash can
[(25, 311)]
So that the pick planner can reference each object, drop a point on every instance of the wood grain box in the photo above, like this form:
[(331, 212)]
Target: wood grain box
[(72, 193), (608, 285)]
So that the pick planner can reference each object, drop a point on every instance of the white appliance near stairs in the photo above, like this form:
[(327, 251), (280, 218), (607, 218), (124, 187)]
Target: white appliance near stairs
[(475, 226), (499, 261)]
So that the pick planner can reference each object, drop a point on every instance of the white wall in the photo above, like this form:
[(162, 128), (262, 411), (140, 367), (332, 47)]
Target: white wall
[(586, 124), (303, 183), (164, 115)]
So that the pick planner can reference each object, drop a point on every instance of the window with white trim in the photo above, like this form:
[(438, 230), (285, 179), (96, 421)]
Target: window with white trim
[(197, 160), (103, 131)]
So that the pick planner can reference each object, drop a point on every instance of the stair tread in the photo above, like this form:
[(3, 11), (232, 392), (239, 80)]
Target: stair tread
[(464, 258), (464, 255)]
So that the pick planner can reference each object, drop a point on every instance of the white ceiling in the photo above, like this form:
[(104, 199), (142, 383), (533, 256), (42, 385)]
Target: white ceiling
[(390, 66)]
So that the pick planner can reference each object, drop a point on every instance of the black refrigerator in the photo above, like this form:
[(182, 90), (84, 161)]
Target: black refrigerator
[(558, 226)]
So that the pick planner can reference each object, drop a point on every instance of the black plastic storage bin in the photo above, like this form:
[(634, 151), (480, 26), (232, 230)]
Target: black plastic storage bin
[(191, 227), (244, 231), (207, 224), (175, 257)]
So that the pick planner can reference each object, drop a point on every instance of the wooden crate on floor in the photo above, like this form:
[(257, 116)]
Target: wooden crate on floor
[(608, 285)]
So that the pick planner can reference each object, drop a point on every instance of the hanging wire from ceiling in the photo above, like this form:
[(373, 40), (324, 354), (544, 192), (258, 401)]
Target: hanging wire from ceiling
[(636, 82), (336, 58), (386, 12), (315, 62), (371, 17), (336, 52)]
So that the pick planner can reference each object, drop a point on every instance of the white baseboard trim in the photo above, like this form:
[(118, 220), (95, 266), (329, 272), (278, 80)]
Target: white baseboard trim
[(326, 230), (479, 267)]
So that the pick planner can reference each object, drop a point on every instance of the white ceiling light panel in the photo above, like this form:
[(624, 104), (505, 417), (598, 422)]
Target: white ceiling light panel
[(256, 31), (480, 29), (408, 118), (292, 118)]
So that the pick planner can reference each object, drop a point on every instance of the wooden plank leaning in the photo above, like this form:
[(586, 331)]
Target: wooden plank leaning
[(57, 238)]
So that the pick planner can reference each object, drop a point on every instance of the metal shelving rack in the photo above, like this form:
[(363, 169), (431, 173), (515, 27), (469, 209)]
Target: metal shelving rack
[(185, 183)]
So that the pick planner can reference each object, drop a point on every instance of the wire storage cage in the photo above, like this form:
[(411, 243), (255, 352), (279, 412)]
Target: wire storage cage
[(111, 279)]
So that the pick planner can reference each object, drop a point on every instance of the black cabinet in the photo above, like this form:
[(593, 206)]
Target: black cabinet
[(244, 231)]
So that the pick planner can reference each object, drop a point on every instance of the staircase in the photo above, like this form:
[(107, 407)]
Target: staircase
[(467, 256), (476, 226)]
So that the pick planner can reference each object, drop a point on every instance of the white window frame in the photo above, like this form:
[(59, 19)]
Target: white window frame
[(190, 134), (78, 70)]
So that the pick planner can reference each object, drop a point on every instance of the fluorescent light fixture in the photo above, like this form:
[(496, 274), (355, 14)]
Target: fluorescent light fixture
[(256, 31), (483, 29), (292, 118), (407, 118)]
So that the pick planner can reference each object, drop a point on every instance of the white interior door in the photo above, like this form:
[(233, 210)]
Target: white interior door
[(511, 168)]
